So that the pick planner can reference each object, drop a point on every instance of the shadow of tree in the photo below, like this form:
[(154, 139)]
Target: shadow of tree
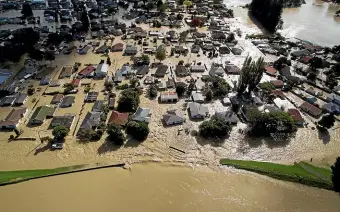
[(130, 142), (324, 136), (107, 146), (48, 146)]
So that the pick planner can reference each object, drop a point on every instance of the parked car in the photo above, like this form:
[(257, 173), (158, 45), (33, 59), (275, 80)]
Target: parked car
[(57, 146)]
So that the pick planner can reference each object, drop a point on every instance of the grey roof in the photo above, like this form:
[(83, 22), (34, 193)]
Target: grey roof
[(161, 71), (45, 81), (173, 116), (125, 70), (228, 116), (20, 98), (216, 71), (197, 97), (197, 68), (333, 97), (92, 96), (97, 106), (142, 114), (198, 110), (331, 107), (67, 101), (181, 70), (143, 70), (65, 121), (91, 120), (118, 76), (7, 100)]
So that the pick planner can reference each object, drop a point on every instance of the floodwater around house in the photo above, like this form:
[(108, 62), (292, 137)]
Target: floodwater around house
[(155, 187), (313, 21)]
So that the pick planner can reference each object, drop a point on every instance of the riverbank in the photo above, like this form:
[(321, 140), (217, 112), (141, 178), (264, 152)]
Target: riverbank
[(302, 172), (12, 177)]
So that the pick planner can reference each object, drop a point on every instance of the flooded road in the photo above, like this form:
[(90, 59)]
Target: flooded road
[(155, 187), (313, 21)]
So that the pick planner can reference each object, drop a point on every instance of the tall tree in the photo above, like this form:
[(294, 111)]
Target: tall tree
[(26, 10), (85, 20), (256, 74), (116, 135), (336, 175), (244, 76), (268, 13), (251, 75), (160, 54)]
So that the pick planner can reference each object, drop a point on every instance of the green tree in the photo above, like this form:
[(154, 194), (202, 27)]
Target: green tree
[(220, 87), (85, 21), (208, 95), (160, 54), (134, 82), (267, 86), (213, 128), (251, 74), (152, 91), (191, 86), (331, 81), (187, 3), (116, 135), (336, 175), (315, 62), (128, 101), (327, 121), (68, 87), (30, 91), (60, 132), (145, 58), (26, 10), (138, 130), (180, 89)]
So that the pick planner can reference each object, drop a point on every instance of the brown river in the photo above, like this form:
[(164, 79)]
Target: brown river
[(156, 187)]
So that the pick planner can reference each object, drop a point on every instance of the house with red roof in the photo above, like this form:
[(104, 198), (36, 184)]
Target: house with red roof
[(86, 72), (296, 116), (118, 118), (277, 83), (271, 71), (75, 82)]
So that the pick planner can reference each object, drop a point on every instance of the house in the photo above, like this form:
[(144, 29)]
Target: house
[(130, 50), (76, 82), (142, 71), (300, 53), (101, 70), (277, 83), (13, 118), (271, 71), (279, 94), (118, 77), (84, 50), (55, 83), (197, 68), (126, 70), (118, 118), (45, 81), (118, 47), (236, 51), (86, 72), (181, 71), (197, 97), (7, 100), (310, 109), (65, 121), (168, 97), (285, 71), (228, 116), (57, 98), (41, 113), (170, 83), (173, 117), (331, 108), (102, 49), (67, 101), (161, 71), (97, 106), (296, 116), (195, 49), (216, 71), (20, 99), (91, 96), (198, 111), (66, 72), (111, 104), (4, 75), (335, 98), (91, 121), (232, 69), (142, 115)]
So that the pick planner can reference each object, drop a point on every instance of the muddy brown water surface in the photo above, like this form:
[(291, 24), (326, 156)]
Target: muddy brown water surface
[(155, 187)]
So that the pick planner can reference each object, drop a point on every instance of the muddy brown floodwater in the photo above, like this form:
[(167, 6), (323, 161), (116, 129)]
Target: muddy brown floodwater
[(155, 187)]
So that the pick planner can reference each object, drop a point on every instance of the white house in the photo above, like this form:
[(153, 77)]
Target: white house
[(101, 70)]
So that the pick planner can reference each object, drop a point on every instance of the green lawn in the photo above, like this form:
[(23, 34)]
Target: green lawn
[(302, 172), (17, 176)]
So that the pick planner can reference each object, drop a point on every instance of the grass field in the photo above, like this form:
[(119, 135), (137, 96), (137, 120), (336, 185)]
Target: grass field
[(17, 176), (301, 172)]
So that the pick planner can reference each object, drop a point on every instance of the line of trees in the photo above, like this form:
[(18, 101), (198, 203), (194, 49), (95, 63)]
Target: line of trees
[(268, 13), (251, 74)]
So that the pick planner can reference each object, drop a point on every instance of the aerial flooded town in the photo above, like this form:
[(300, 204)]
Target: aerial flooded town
[(174, 105)]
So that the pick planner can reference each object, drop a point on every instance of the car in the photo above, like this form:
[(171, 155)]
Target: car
[(57, 146)]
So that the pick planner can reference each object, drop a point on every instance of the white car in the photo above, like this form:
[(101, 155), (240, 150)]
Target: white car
[(57, 146)]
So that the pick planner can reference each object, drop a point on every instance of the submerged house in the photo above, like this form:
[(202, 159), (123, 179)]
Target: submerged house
[(13, 118), (101, 70), (67, 101), (91, 121), (198, 111), (168, 97), (41, 113), (142, 115), (228, 116), (173, 117), (118, 118), (66, 121)]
